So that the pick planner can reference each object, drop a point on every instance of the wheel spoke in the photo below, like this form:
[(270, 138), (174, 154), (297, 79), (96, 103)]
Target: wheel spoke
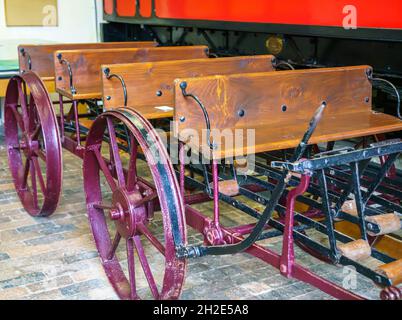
[(105, 169), (35, 132), (115, 244), (33, 184), (111, 162), (146, 267), (131, 267), (39, 174), (25, 175), (155, 242), (24, 107), (18, 118), (146, 199), (32, 114), (115, 152), (132, 166), (102, 206), (41, 154)]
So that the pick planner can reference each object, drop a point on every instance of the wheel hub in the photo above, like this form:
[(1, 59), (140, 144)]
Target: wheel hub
[(125, 213), (30, 147)]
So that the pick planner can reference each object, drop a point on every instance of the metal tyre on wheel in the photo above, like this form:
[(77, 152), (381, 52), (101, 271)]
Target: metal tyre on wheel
[(120, 206)]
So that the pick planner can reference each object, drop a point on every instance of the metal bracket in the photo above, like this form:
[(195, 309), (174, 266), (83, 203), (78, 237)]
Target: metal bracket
[(183, 252), (389, 83), (334, 152), (26, 54), (70, 72), (343, 158), (385, 142), (277, 63), (183, 87), (109, 76), (287, 165)]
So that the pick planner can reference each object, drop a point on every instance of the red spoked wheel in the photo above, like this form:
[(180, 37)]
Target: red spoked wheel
[(120, 206), (391, 293), (33, 143)]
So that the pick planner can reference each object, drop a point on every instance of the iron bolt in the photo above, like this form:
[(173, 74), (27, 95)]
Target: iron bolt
[(241, 113), (283, 268), (183, 85), (115, 214)]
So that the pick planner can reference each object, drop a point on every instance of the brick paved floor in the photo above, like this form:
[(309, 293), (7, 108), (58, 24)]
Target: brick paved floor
[(55, 258)]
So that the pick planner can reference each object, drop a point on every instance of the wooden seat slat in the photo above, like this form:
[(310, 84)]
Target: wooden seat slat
[(152, 112), (152, 83), (86, 65), (347, 92), (331, 128), (42, 54)]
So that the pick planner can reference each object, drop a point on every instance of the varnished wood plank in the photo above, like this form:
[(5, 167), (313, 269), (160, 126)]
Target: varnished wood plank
[(152, 83), (153, 112), (86, 65), (262, 96), (331, 128), (87, 123), (42, 55)]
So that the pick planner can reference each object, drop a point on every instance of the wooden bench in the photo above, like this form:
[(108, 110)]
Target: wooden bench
[(40, 57), (150, 85), (279, 106), (86, 70)]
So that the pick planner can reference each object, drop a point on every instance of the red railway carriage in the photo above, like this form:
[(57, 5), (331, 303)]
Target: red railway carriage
[(309, 33), (272, 15)]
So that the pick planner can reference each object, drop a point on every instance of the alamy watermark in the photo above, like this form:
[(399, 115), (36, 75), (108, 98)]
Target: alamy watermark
[(349, 281), (50, 16), (235, 145), (350, 18)]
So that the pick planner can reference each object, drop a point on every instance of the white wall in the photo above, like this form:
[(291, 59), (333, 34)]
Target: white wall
[(77, 22)]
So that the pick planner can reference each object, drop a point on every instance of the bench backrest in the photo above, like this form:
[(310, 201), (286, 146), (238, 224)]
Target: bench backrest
[(264, 101), (41, 56), (152, 83), (86, 65)]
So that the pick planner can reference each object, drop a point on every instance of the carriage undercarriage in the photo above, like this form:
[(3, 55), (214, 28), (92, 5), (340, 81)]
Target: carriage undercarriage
[(296, 193)]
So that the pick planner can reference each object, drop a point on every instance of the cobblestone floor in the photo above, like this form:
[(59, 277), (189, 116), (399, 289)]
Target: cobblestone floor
[(55, 258)]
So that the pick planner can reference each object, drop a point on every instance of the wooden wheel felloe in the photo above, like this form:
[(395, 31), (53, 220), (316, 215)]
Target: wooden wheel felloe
[(33, 143), (120, 207)]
